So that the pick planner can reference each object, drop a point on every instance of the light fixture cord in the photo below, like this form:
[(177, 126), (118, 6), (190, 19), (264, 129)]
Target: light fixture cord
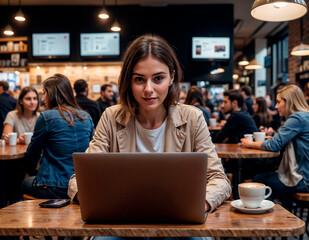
[(19, 3), (301, 30)]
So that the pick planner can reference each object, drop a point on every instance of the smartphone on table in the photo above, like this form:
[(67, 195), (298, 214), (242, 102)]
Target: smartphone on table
[(55, 203)]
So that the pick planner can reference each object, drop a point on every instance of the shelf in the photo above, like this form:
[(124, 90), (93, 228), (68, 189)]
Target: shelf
[(14, 39), (13, 69), (9, 52)]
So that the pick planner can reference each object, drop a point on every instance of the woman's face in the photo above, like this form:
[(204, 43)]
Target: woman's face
[(255, 106), (281, 106), (45, 97), (150, 83), (30, 101)]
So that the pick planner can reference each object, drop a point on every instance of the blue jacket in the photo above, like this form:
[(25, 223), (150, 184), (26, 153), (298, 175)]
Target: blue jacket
[(295, 129), (58, 140)]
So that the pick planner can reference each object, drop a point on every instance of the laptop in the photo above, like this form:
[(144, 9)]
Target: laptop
[(141, 187)]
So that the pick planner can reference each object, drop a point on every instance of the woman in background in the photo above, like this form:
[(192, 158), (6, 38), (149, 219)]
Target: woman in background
[(293, 138), (22, 119), (60, 130), (195, 98), (261, 116)]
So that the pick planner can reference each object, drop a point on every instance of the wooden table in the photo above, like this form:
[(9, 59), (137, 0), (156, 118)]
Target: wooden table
[(28, 219), (8, 153), (236, 152)]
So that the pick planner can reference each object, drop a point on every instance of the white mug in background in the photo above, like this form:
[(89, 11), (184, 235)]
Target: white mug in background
[(249, 136), (12, 138), (212, 122), (259, 136), (252, 194), (28, 136)]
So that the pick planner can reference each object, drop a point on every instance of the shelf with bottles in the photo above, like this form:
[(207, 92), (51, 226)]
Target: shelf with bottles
[(13, 52)]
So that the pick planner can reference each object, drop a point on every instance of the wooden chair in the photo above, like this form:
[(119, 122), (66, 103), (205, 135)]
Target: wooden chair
[(29, 197), (301, 201)]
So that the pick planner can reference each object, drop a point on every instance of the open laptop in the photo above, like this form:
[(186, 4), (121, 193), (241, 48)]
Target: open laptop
[(141, 187)]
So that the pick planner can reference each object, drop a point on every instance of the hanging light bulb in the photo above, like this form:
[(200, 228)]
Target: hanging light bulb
[(116, 27), (243, 62), (8, 30), (20, 16), (278, 10), (103, 14), (301, 49), (253, 64)]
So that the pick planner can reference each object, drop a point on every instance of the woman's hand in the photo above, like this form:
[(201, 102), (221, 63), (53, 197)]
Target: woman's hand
[(269, 131), (6, 138), (245, 142), (21, 139)]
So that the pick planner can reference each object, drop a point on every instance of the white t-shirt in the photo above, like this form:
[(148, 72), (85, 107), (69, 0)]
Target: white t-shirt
[(19, 124), (149, 140)]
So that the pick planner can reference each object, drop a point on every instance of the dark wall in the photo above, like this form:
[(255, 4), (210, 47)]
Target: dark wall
[(176, 23)]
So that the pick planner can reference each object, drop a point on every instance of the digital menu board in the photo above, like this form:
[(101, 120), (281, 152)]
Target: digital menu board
[(210, 48)]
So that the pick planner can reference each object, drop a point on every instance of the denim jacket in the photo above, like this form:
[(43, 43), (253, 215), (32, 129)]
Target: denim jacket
[(58, 140), (295, 129)]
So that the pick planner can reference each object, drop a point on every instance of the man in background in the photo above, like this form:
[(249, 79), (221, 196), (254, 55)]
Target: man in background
[(239, 122), (106, 99), (246, 93), (92, 107), (7, 103)]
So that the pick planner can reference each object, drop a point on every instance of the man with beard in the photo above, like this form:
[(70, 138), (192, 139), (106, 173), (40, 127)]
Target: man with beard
[(106, 99), (239, 123)]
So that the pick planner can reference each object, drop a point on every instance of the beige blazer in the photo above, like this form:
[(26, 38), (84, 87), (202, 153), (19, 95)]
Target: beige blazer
[(186, 131)]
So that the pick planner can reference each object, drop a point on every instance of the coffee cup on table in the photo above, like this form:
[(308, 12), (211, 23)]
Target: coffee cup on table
[(28, 136), (212, 122), (249, 136), (12, 138), (252, 194), (259, 136)]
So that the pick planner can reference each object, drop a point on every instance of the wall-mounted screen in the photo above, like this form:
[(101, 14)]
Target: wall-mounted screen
[(205, 48), (50, 44), (99, 44)]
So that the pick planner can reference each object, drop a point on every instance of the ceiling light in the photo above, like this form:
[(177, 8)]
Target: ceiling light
[(116, 27), (253, 64), (235, 76), (300, 50), (103, 14), (8, 30), (243, 62), (217, 71), (278, 10), (20, 16)]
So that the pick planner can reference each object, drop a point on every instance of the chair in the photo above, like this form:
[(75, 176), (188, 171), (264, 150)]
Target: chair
[(301, 201), (29, 197)]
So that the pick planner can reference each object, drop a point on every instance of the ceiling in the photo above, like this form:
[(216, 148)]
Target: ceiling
[(246, 28)]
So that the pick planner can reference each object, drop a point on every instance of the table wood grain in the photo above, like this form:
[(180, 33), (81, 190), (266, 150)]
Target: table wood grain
[(27, 218), (228, 150), (13, 152)]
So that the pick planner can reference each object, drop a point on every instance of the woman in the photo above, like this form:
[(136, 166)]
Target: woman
[(22, 119), (61, 130), (149, 119), (195, 98), (293, 173), (261, 116)]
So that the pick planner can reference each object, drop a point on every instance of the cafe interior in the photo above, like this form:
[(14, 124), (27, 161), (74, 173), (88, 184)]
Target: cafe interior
[(255, 46)]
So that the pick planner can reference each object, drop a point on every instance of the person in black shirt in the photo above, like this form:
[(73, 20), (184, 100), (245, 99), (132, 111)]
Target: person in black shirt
[(7, 103), (246, 93), (92, 107), (239, 122), (106, 99)]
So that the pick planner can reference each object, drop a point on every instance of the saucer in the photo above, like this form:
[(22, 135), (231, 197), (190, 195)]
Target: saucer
[(265, 206)]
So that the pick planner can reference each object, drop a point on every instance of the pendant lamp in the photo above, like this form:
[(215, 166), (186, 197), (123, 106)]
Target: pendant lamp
[(278, 10), (103, 14), (116, 27), (253, 65), (20, 15), (301, 49), (8, 30), (243, 62)]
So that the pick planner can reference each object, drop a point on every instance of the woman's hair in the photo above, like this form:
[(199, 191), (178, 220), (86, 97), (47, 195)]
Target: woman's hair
[(195, 95), (60, 96), (141, 48), (22, 94), (294, 98), (262, 112)]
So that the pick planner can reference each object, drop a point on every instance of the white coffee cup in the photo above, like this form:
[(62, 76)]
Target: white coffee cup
[(212, 122), (28, 136), (259, 136), (252, 194), (249, 136), (12, 138)]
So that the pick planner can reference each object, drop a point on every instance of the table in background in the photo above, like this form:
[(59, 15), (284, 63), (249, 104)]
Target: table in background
[(8, 153), (26, 218), (236, 152)]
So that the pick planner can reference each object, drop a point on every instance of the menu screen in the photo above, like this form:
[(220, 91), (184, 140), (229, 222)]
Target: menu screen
[(210, 48), (99, 44), (50, 44)]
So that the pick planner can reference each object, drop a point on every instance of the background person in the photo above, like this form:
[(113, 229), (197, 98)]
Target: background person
[(246, 93), (294, 137), (149, 118), (92, 107), (107, 95), (22, 119), (262, 116), (61, 130), (7, 103)]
